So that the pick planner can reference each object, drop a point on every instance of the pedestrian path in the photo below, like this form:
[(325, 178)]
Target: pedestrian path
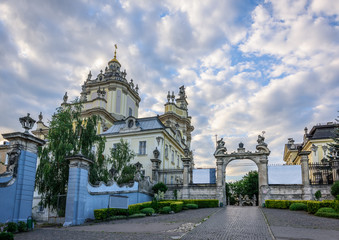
[(232, 222)]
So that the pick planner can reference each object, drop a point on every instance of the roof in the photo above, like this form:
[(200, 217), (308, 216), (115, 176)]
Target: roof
[(143, 124), (323, 131)]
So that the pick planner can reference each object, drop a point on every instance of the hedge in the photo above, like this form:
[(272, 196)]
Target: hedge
[(6, 236), (202, 203), (313, 206), (165, 210), (147, 211), (298, 207), (176, 206), (191, 206), (326, 209), (282, 204), (327, 214)]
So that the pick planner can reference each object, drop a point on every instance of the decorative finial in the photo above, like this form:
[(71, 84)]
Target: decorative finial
[(115, 51), (136, 88), (65, 97), (89, 76), (173, 96), (27, 122), (40, 117), (168, 96)]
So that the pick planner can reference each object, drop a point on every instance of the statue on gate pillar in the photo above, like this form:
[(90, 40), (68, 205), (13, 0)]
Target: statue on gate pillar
[(221, 149)]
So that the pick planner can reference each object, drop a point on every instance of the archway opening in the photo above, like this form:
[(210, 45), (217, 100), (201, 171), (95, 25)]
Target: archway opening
[(242, 183)]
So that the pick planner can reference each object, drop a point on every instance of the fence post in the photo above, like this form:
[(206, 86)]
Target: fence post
[(304, 167)]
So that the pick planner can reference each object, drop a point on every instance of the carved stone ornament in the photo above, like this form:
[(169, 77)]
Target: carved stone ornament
[(221, 149), (156, 153), (13, 158), (27, 122)]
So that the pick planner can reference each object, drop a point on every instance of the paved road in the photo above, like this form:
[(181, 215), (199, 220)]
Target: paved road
[(287, 224), (232, 223), (208, 223)]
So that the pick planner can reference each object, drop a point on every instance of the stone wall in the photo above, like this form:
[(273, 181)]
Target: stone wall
[(295, 192), (195, 191)]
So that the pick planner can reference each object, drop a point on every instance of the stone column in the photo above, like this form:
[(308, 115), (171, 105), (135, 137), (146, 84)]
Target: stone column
[(17, 184), (155, 169), (221, 191), (76, 190), (263, 177), (304, 167), (185, 191)]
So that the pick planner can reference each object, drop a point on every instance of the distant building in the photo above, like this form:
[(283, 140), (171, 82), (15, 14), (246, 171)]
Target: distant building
[(4, 148), (316, 141)]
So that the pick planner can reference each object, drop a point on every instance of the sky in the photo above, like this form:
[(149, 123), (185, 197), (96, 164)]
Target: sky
[(248, 66)]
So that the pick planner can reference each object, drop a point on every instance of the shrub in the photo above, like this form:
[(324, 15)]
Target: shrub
[(317, 195), (100, 214), (203, 203), (282, 204), (176, 206), (22, 226), (298, 207), (11, 227), (335, 189), (192, 206), (137, 215), (160, 186), (326, 209), (327, 214), (313, 206), (6, 236), (117, 217), (165, 210), (147, 211)]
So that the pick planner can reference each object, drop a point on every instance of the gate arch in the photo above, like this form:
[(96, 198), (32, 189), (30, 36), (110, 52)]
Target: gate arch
[(259, 157)]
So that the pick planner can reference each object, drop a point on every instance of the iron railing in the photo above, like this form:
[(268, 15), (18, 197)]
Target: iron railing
[(324, 173)]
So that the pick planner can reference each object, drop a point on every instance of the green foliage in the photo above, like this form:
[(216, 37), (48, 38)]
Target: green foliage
[(282, 204), (11, 227), (191, 206), (176, 206), (108, 213), (298, 207), (68, 135), (335, 189), (317, 195), (147, 211), (202, 203), (326, 209), (6, 236), (121, 155), (22, 226), (165, 210), (160, 186), (327, 214), (248, 185), (175, 194), (335, 144), (314, 206), (117, 217), (135, 208), (336, 205)]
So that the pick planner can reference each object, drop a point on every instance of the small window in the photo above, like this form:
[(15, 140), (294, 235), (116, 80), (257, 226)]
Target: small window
[(142, 148), (178, 160), (172, 158), (171, 179), (130, 112), (166, 151)]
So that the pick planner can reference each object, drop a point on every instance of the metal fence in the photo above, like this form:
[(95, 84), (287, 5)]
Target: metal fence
[(323, 173)]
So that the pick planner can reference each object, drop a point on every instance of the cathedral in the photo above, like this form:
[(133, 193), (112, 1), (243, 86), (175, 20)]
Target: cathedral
[(162, 138)]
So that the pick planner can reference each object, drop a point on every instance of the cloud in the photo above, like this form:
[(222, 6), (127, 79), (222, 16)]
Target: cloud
[(248, 66)]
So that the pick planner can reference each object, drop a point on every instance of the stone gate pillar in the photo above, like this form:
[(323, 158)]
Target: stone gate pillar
[(155, 169), (17, 183), (304, 167), (221, 191), (76, 189), (186, 178), (263, 178)]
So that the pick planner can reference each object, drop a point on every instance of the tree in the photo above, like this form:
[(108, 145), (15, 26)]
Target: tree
[(248, 185), (68, 135), (122, 170)]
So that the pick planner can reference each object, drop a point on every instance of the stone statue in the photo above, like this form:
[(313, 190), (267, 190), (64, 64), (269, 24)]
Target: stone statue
[(156, 153), (221, 149), (65, 97), (182, 94), (13, 158), (261, 140), (220, 143)]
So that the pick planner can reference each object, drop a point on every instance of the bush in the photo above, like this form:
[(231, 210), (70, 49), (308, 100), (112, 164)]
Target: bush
[(298, 207), (11, 227), (335, 189), (203, 203), (176, 206), (191, 206), (327, 214), (147, 211), (282, 204), (100, 214), (317, 195), (22, 226), (160, 186), (326, 209), (314, 206), (6, 236), (165, 210)]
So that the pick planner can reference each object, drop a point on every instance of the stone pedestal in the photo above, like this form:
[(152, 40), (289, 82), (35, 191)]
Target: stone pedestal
[(76, 189), (155, 169), (186, 177), (17, 185), (221, 191), (304, 168)]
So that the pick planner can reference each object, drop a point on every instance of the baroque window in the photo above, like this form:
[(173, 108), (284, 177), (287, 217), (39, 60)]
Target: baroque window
[(142, 148)]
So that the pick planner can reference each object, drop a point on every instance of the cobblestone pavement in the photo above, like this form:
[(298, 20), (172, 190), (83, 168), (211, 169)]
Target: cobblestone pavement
[(170, 226), (287, 224), (232, 223)]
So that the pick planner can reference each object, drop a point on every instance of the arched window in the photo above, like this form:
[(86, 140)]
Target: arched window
[(130, 111)]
